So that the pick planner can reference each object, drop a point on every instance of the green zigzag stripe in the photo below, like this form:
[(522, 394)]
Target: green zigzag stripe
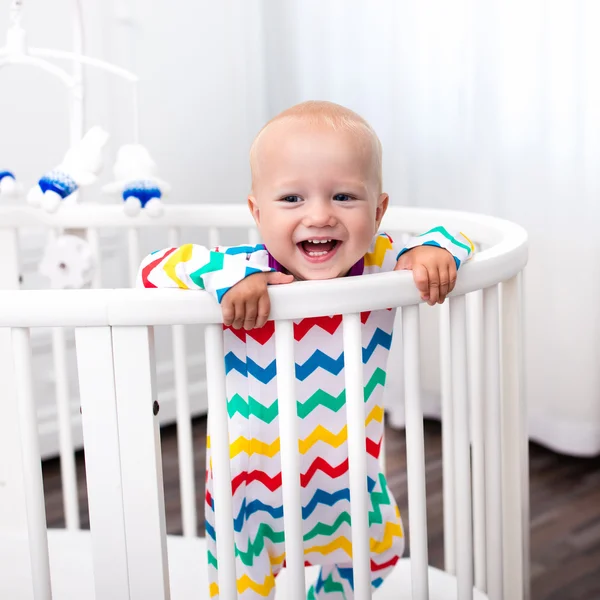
[(267, 414), (443, 232), (212, 560), (333, 403), (378, 499), (215, 263), (329, 586), (252, 407)]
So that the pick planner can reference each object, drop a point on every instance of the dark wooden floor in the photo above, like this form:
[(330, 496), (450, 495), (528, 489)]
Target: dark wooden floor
[(565, 508)]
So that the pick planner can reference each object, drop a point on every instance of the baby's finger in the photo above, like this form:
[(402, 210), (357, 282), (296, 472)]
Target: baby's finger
[(434, 285), (250, 314), (452, 276), (444, 284), (240, 310), (228, 311), (421, 279), (264, 309)]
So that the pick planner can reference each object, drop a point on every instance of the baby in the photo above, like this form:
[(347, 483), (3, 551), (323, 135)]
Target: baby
[(317, 201)]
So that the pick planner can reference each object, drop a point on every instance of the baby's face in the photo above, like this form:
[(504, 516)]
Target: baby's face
[(315, 198)]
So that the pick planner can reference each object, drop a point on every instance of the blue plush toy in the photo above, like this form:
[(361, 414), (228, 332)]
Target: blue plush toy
[(80, 167), (136, 182)]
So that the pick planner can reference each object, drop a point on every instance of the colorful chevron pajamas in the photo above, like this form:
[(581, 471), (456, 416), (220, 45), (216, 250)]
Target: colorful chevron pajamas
[(251, 382)]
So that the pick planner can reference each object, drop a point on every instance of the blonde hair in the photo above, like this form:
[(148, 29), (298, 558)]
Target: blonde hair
[(335, 116)]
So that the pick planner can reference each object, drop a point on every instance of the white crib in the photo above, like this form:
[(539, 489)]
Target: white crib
[(127, 553)]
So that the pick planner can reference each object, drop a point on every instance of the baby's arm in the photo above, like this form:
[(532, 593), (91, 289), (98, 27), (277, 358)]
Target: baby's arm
[(194, 267), (434, 258)]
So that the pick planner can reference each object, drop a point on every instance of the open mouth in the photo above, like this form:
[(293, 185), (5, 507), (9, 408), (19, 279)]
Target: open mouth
[(318, 250)]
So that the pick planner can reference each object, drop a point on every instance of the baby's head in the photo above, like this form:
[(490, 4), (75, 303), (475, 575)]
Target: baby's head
[(316, 188)]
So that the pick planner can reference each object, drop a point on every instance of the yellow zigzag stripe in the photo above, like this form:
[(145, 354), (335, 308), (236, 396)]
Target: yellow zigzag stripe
[(250, 446), (320, 434), (375, 415), (213, 590), (254, 446), (342, 543), (182, 254), (375, 258), (391, 531), (244, 583), (470, 242)]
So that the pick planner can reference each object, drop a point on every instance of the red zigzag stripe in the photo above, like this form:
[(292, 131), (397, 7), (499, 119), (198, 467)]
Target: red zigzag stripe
[(264, 334), (150, 266), (390, 563)]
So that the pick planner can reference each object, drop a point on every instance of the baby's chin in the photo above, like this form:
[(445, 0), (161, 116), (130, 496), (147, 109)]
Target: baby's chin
[(322, 274)]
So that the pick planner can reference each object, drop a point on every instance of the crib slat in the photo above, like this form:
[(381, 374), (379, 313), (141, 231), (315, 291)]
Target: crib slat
[(15, 582), (213, 237), (68, 472), (102, 462), (32, 466), (219, 452), (185, 448), (9, 251), (253, 236), (447, 440), (141, 463), (475, 362), (514, 429), (65, 426), (290, 457), (94, 242), (493, 456), (357, 455), (133, 250), (415, 453), (462, 459)]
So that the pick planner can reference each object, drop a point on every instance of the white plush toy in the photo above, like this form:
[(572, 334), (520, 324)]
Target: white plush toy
[(80, 167), (136, 181), (68, 262), (9, 187)]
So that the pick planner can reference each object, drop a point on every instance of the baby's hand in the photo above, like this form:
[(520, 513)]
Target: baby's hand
[(247, 303), (434, 271)]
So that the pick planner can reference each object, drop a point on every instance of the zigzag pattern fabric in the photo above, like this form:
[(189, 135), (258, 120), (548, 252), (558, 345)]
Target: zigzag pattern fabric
[(251, 383)]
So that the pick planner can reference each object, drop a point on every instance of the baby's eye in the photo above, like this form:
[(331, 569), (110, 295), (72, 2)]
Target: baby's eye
[(291, 199), (343, 197)]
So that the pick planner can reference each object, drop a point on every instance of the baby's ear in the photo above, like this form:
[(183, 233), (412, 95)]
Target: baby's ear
[(382, 204), (253, 206)]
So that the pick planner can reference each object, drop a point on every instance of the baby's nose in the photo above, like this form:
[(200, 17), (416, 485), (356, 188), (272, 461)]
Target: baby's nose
[(320, 215)]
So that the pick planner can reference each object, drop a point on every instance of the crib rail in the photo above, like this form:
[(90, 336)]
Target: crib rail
[(122, 443)]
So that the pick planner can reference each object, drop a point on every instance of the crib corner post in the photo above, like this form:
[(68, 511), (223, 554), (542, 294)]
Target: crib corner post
[(515, 456)]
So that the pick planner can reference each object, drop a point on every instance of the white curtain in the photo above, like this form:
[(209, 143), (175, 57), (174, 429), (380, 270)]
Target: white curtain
[(491, 107)]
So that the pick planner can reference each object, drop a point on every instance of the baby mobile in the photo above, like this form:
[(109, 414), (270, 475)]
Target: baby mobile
[(68, 260)]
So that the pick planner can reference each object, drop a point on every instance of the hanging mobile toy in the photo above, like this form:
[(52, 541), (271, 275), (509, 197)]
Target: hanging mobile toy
[(80, 167), (9, 187), (136, 181)]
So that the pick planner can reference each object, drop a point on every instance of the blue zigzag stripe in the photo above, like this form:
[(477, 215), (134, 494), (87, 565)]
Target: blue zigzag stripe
[(244, 249), (319, 497), (247, 510), (319, 359), (210, 530), (380, 338), (233, 363)]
